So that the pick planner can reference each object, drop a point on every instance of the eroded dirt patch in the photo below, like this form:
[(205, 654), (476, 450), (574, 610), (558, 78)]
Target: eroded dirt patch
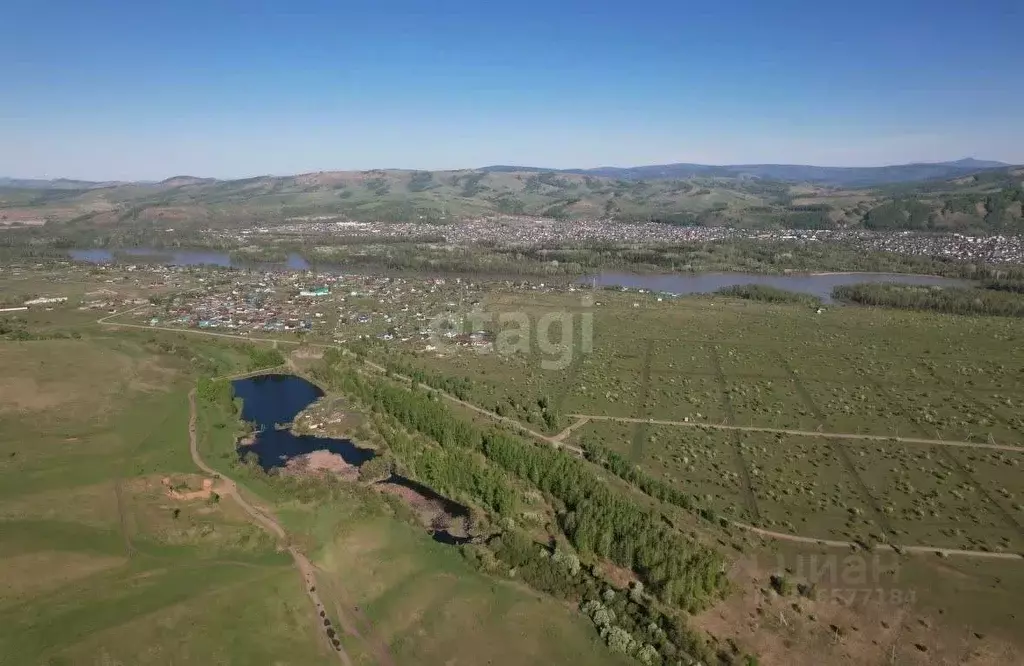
[(322, 462)]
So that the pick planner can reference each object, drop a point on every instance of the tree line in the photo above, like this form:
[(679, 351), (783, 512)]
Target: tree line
[(768, 294), (623, 468), (950, 300), (1004, 284)]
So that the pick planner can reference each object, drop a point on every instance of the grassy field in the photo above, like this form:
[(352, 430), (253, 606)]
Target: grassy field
[(414, 601), (860, 371), (99, 565), (430, 607)]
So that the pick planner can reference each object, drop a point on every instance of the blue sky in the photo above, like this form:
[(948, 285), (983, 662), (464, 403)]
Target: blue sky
[(145, 90)]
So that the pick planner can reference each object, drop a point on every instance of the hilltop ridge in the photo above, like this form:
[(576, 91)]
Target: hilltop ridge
[(967, 199), (796, 173)]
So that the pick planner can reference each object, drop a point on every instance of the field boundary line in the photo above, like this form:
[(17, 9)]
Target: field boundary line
[(858, 480), (966, 475), (813, 433), (640, 428), (749, 496), (804, 394), (896, 548), (123, 519)]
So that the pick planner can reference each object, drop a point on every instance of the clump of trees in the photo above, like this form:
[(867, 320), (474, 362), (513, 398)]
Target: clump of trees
[(952, 300), (420, 181), (768, 294), (1003, 284), (377, 468), (623, 468), (625, 621), (216, 392), (261, 358)]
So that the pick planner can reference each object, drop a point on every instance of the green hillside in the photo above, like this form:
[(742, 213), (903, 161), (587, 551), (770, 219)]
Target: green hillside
[(989, 201)]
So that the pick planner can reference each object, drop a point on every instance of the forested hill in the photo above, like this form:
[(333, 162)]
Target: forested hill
[(986, 201)]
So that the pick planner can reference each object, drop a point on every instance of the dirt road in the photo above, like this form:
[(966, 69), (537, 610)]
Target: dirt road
[(267, 522), (926, 550), (555, 441), (807, 433)]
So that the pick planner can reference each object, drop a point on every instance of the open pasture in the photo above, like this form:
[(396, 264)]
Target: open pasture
[(430, 607), (717, 360), (98, 564), (803, 487), (847, 370), (699, 462), (927, 498)]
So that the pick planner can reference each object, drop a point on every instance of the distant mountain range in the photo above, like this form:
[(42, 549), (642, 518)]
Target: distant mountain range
[(790, 173), (55, 184), (786, 173), (964, 196)]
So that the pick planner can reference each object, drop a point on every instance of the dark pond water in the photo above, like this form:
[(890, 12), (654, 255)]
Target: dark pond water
[(268, 400), (819, 285), (277, 399), (449, 539), (185, 258)]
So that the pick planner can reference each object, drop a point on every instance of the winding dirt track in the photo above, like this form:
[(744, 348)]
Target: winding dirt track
[(557, 442), (268, 523)]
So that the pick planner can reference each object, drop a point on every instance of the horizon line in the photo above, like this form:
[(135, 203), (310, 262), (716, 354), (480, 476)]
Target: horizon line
[(994, 164)]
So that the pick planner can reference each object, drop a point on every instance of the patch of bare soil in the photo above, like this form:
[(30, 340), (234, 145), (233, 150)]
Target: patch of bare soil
[(797, 630), (430, 512), (618, 576), (319, 462), (185, 495)]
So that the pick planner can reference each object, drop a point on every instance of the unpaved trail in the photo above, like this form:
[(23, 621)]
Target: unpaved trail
[(377, 646), (928, 550), (580, 421), (552, 440), (267, 522), (808, 433)]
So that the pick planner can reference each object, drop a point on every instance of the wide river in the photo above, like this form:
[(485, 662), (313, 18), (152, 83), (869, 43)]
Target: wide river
[(815, 284), (183, 258)]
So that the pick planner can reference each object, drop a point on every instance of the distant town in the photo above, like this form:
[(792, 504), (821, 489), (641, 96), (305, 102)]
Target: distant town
[(519, 231)]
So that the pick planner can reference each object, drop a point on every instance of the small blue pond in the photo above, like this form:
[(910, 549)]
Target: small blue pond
[(268, 400)]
